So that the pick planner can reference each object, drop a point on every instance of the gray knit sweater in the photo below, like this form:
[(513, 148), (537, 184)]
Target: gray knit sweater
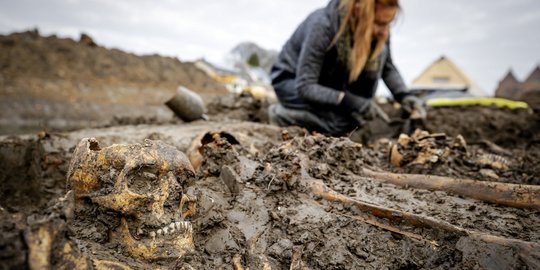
[(319, 76)]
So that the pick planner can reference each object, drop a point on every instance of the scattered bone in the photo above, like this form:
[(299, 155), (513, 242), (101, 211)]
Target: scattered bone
[(40, 239), (404, 140), (395, 156), (237, 262), (460, 142), (526, 250), (494, 161), (256, 260), (494, 147), (285, 135), (423, 148), (489, 173), (192, 206), (296, 260), (520, 196), (393, 229), (104, 264), (105, 176)]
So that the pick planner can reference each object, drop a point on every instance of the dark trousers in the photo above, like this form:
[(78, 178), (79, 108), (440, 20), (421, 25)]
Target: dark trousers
[(292, 111)]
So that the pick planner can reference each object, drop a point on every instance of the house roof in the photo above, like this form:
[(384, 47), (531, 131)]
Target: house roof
[(443, 74), (509, 87), (534, 77), (509, 78)]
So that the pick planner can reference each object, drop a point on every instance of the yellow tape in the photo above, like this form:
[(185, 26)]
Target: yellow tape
[(499, 102)]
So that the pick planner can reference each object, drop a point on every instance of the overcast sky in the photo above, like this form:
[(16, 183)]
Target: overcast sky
[(484, 37)]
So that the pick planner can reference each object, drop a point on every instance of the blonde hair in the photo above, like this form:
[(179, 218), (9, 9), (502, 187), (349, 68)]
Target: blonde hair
[(361, 27)]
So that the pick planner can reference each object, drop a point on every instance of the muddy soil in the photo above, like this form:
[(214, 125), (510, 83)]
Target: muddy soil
[(52, 83), (270, 218)]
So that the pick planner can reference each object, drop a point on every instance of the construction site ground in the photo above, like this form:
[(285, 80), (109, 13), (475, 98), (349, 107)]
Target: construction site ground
[(297, 200)]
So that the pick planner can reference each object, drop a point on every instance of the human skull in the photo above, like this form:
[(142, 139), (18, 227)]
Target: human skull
[(142, 184)]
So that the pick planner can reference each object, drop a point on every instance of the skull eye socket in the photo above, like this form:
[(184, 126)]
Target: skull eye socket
[(107, 180), (144, 180)]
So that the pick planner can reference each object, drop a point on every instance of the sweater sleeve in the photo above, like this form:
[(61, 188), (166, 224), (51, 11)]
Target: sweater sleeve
[(314, 47), (392, 78)]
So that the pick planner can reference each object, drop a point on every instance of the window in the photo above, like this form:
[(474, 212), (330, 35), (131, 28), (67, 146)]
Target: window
[(441, 79)]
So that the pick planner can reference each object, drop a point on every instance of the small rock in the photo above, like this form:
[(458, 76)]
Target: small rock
[(230, 178)]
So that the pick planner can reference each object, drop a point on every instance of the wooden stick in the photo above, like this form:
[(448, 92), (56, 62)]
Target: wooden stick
[(393, 229), (519, 196), (529, 251)]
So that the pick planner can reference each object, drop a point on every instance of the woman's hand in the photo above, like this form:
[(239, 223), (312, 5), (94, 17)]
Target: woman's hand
[(415, 106), (353, 103)]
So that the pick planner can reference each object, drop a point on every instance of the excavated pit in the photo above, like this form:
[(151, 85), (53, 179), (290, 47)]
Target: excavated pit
[(254, 184), (254, 208)]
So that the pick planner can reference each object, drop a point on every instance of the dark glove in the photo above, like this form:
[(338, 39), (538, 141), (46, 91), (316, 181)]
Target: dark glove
[(372, 113), (363, 109), (353, 103), (415, 106)]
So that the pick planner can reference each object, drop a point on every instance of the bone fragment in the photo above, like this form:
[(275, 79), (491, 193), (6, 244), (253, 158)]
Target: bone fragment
[(519, 196), (393, 229), (296, 260), (528, 251), (237, 262)]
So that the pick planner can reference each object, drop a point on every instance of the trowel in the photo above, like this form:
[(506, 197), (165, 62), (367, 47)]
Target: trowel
[(187, 105)]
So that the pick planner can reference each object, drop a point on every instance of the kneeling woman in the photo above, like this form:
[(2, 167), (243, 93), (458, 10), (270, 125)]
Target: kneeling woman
[(327, 72)]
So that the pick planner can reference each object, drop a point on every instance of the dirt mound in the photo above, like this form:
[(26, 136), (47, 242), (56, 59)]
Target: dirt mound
[(512, 134), (58, 83), (504, 127), (239, 107)]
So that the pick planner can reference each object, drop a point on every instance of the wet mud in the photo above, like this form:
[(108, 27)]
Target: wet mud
[(255, 207)]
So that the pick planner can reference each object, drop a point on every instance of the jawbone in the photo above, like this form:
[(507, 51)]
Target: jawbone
[(170, 242)]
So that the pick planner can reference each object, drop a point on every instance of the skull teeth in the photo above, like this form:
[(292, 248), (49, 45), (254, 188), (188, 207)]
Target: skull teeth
[(178, 226), (172, 228)]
